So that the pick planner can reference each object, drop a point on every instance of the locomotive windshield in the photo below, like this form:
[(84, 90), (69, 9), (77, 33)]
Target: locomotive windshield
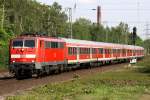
[(18, 43), (29, 43), (24, 43)]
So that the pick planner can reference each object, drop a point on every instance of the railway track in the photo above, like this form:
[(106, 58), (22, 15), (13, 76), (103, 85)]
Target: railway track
[(11, 86)]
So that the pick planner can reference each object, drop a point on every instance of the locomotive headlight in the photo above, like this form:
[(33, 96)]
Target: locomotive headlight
[(22, 50), (13, 61), (33, 61)]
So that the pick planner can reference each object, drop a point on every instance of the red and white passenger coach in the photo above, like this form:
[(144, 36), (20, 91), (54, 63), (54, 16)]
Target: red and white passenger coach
[(34, 54)]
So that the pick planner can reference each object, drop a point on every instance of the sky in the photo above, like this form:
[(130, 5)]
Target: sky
[(133, 12)]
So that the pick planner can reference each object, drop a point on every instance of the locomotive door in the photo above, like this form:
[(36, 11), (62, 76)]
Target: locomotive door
[(42, 50)]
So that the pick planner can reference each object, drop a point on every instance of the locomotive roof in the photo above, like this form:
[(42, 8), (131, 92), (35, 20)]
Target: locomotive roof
[(41, 37)]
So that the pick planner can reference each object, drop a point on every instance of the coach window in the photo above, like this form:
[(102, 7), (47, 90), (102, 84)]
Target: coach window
[(94, 50), (87, 51), (106, 51), (109, 51), (70, 51), (80, 50), (117, 51), (100, 50), (114, 51), (83, 50), (128, 51), (75, 50)]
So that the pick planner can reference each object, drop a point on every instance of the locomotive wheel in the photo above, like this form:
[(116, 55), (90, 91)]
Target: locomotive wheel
[(61, 68), (29, 73), (39, 73), (18, 74), (47, 70)]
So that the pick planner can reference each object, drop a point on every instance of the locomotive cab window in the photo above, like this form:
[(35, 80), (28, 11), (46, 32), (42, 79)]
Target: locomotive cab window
[(17, 43), (29, 43)]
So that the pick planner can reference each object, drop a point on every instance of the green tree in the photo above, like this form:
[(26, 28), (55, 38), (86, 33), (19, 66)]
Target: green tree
[(146, 45), (81, 29)]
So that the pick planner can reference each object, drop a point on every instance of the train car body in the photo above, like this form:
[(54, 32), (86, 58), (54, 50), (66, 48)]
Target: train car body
[(38, 54)]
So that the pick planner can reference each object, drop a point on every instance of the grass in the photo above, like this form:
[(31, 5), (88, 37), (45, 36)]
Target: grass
[(124, 84)]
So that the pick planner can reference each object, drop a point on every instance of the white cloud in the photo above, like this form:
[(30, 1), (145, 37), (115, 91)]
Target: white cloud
[(87, 1)]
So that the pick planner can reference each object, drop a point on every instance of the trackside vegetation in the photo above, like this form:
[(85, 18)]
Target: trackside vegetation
[(122, 84), (144, 65), (4, 48)]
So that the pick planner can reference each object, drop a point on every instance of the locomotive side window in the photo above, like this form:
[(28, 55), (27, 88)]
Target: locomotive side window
[(47, 44), (29, 43), (18, 43), (54, 44), (61, 45)]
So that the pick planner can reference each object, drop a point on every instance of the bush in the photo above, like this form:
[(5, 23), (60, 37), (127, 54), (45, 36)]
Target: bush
[(4, 50), (4, 56), (144, 65), (3, 34)]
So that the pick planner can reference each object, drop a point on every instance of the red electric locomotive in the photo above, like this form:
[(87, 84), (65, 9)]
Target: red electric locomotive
[(34, 54)]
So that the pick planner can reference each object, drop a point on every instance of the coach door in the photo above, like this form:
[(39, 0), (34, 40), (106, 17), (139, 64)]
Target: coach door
[(42, 50), (78, 54), (91, 54)]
